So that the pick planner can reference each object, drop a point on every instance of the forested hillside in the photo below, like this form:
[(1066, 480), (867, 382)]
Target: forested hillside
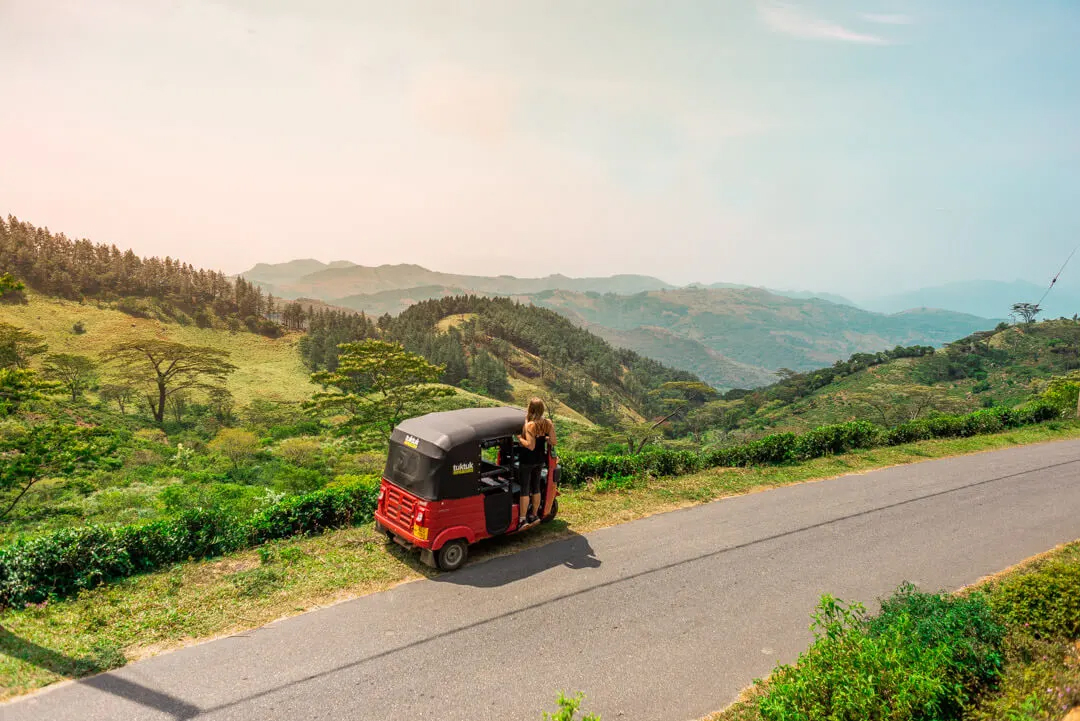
[(55, 265), (497, 346)]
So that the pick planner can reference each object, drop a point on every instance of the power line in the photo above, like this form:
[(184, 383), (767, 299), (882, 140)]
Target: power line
[(1055, 278)]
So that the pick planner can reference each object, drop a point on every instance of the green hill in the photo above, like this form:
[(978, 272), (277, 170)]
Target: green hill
[(754, 327), (537, 348), (269, 368), (1001, 367)]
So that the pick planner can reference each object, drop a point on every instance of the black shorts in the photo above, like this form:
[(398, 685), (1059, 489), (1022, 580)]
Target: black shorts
[(529, 478)]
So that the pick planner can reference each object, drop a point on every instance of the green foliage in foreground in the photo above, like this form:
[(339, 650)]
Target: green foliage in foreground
[(923, 658), (1046, 603), (64, 562), (568, 708), (1004, 651), (784, 448)]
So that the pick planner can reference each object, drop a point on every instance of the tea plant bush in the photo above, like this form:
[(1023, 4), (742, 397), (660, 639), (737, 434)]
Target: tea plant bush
[(782, 448), (64, 562), (1046, 601), (923, 657)]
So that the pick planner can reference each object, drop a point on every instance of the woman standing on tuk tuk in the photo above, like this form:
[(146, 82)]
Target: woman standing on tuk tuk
[(537, 439)]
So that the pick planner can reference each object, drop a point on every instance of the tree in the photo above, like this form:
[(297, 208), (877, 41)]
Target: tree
[(164, 368), (55, 450), (489, 375), (235, 444), (10, 288), (1064, 393), (1026, 311), (677, 395), (377, 384), (222, 404), (18, 346), (19, 385), (120, 393), (73, 372), (894, 403)]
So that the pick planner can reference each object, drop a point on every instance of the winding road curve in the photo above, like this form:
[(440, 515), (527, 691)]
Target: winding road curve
[(663, 618)]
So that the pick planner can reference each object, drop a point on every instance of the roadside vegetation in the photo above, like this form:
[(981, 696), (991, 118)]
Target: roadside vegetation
[(182, 455), (1008, 648), (141, 615)]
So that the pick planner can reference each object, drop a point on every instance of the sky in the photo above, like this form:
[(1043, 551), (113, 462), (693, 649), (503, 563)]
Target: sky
[(851, 147)]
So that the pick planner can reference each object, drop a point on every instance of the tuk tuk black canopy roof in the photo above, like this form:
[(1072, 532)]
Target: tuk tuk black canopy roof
[(449, 429)]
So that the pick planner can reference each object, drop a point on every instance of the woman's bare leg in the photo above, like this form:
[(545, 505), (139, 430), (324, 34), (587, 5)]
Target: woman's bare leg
[(523, 509), (536, 504)]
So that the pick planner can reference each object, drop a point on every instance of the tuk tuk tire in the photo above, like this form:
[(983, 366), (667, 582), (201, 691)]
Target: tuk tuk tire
[(452, 555), (554, 512)]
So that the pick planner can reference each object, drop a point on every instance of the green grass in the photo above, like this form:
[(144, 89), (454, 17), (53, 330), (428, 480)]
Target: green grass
[(154, 612), (269, 368)]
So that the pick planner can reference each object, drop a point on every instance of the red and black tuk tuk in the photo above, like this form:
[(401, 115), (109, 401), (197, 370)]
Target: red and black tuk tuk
[(439, 493)]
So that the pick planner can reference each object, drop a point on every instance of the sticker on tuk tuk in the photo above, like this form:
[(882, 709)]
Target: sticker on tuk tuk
[(411, 441), (461, 469)]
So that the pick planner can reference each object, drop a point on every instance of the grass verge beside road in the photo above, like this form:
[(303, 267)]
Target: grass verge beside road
[(146, 614)]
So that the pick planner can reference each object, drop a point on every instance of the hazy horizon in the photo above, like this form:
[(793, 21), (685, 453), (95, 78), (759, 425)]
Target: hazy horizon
[(823, 146)]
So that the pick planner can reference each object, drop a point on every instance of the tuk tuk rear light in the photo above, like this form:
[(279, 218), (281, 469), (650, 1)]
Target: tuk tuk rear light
[(419, 529)]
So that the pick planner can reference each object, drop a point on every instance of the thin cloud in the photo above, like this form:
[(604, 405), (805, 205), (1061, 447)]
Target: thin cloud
[(789, 19), (887, 19)]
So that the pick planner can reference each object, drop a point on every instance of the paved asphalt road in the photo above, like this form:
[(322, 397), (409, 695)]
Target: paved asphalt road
[(664, 618)]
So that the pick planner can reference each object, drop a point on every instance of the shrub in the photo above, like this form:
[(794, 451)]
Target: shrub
[(300, 451), (966, 624), (235, 444), (1046, 600), (783, 448), (923, 657), (152, 435), (1038, 411), (983, 421), (909, 432), (64, 562), (840, 438), (292, 480), (778, 448), (302, 428), (314, 512), (946, 426), (848, 674)]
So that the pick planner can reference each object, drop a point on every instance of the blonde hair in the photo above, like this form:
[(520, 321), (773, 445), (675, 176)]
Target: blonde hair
[(535, 414)]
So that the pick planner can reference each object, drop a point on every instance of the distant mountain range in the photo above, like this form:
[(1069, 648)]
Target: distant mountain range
[(341, 279), (732, 337), (728, 334), (987, 298)]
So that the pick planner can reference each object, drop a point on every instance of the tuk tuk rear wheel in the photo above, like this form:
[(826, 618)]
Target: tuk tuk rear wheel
[(554, 512), (452, 555)]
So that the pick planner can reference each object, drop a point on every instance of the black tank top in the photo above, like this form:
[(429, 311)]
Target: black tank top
[(538, 455)]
